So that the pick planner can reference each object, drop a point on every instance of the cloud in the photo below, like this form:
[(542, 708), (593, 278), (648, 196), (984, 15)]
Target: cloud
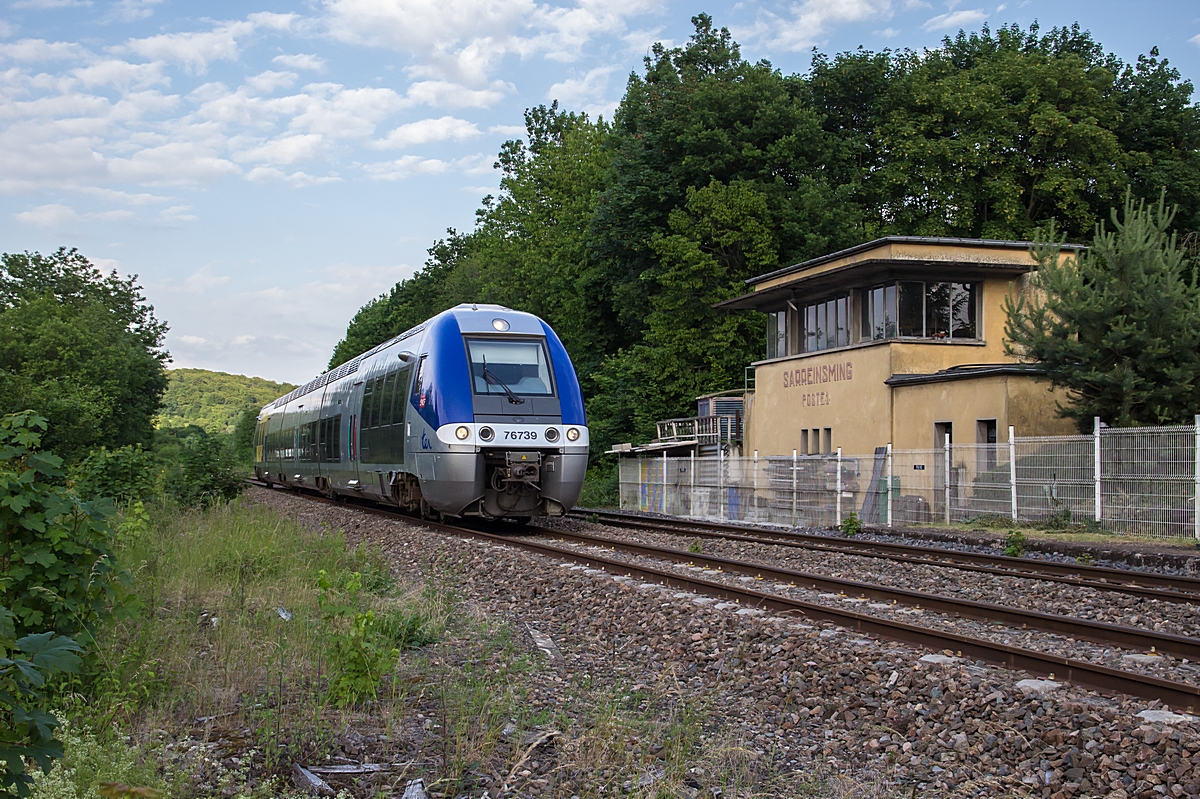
[(586, 93), (133, 10), (267, 82), (887, 33), (121, 74), (464, 40), (813, 19), (241, 341), (430, 130), (173, 163), (507, 130), (195, 50), (405, 167), (286, 149), (1195, 40), (52, 215), (955, 19), (300, 61), (203, 279), (28, 51), (6, 29), (195, 341), (445, 94), (47, 5), (261, 174), (176, 214)]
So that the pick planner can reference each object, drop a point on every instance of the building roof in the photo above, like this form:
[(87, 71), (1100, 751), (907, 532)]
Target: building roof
[(881, 259), (966, 372)]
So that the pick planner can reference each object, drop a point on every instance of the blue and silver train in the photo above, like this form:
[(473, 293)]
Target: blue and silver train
[(475, 412)]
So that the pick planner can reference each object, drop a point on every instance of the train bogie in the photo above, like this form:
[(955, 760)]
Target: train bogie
[(475, 412)]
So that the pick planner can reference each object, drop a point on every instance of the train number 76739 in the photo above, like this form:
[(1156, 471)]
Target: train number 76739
[(523, 435)]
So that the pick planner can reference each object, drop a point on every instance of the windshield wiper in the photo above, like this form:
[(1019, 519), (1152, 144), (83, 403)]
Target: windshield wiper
[(492, 380)]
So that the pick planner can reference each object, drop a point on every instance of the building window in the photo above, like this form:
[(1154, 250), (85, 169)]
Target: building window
[(777, 334), (825, 325), (920, 309)]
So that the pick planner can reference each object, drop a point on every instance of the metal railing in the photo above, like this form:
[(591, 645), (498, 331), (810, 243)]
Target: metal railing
[(703, 429), (1139, 481)]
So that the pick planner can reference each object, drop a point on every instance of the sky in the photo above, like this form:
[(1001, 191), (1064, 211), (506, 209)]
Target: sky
[(266, 168)]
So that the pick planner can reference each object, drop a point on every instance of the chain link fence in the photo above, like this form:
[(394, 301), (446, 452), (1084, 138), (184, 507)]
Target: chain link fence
[(1139, 481)]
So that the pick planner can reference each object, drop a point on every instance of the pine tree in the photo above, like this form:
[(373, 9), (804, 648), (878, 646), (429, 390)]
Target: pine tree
[(1118, 326)]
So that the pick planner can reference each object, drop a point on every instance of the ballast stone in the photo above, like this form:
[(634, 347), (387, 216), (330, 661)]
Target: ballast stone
[(1165, 716), (939, 660), (1038, 687)]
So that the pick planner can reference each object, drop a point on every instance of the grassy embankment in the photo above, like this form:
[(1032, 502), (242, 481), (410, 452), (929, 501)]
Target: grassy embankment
[(240, 665)]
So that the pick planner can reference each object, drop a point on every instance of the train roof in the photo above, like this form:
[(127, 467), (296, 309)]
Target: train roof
[(472, 317)]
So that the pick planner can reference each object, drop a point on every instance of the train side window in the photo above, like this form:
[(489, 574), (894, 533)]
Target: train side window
[(385, 411), (367, 397), (378, 408)]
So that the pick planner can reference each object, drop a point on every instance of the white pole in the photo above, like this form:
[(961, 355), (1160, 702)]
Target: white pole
[(664, 482), (755, 485), (839, 486), (692, 476), (793, 488), (889, 486), (1012, 469), (721, 478), (1196, 496), (1096, 462), (946, 474), (643, 505)]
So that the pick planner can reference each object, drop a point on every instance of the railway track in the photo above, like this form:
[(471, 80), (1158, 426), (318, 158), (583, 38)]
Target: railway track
[(1092, 675), (1168, 588)]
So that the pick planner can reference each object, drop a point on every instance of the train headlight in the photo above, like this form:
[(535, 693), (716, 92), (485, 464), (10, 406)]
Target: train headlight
[(462, 433), (572, 434), (552, 434), (486, 434), (500, 324)]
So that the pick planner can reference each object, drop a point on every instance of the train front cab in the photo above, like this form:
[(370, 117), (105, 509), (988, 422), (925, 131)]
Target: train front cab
[(501, 396)]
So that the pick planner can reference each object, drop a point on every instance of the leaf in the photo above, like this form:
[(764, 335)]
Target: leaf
[(52, 652)]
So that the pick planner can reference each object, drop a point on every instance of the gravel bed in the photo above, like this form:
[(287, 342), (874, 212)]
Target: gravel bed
[(1028, 593), (1143, 556), (806, 696), (1160, 665)]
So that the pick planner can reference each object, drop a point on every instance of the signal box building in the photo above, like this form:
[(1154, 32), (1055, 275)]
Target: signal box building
[(897, 340)]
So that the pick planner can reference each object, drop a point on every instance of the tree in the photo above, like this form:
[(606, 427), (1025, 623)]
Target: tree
[(80, 347), (1118, 326)]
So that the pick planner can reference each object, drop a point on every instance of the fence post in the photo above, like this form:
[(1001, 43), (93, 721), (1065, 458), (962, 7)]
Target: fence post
[(946, 474), (793, 488), (721, 479), (664, 483), (839, 486), (889, 485), (692, 474), (1196, 496), (1012, 468), (755, 485), (1096, 459)]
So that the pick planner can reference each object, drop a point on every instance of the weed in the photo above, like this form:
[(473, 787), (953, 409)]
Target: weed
[(1060, 520), (594, 518), (993, 521), (1014, 544), (695, 547), (852, 525), (1086, 559), (89, 758)]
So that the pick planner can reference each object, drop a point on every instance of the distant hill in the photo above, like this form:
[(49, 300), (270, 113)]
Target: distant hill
[(214, 400)]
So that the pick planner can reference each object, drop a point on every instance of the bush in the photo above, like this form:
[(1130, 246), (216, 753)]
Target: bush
[(56, 569), (125, 474), (26, 731), (852, 525), (207, 473), (601, 487), (1014, 544)]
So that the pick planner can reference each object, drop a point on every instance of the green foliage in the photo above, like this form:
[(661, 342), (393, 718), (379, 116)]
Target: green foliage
[(601, 486), (1014, 544), (695, 547), (361, 648), (27, 731), (205, 473), (621, 235), (852, 525), (243, 436), (1118, 326), (214, 401), (1060, 520), (81, 348), (57, 571), (126, 474), (91, 764)]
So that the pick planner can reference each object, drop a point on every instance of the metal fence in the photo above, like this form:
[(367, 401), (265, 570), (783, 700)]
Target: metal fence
[(1138, 481)]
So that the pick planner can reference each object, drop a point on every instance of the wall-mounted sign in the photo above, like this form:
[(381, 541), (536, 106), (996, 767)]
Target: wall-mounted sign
[(812, 375), (920, 467)]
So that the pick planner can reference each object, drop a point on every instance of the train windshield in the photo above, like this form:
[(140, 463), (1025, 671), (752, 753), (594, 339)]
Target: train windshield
[(518, 366)]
